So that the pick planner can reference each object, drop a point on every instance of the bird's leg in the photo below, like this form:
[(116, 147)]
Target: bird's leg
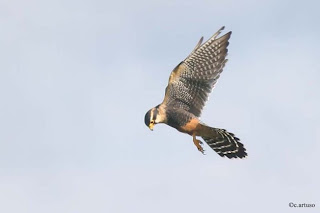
[(197, 143)]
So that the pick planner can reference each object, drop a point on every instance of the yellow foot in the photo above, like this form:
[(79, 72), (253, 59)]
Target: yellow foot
[(198, 144)]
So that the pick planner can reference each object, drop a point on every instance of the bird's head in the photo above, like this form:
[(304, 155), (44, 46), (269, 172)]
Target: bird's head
[(154, 116)]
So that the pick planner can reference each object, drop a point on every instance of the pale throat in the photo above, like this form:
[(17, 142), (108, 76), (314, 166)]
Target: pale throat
[(161, 115), (160, 119)]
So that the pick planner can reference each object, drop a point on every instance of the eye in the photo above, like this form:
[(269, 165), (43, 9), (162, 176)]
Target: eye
[(152, 121)]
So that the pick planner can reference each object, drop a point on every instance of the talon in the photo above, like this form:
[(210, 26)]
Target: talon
[(201, 150), (198, 144)]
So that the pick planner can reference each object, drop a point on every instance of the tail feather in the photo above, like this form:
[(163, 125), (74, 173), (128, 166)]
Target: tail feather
[(223, 142)]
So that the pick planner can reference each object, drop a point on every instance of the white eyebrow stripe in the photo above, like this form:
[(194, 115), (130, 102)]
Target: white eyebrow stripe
[(151, 115)]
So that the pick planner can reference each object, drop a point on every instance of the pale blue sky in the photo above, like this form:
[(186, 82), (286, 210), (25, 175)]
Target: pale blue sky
[(76, 78)]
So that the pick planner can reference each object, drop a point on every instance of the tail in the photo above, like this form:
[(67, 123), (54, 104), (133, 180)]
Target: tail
[(223, 142)]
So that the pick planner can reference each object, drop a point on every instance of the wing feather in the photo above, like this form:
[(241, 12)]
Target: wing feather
[(191, 82)]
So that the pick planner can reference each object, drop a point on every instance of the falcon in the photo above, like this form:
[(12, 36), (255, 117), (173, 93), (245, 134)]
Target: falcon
[(189, 86)]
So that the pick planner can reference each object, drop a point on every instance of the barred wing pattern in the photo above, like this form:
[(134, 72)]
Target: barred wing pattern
[(192, 80)]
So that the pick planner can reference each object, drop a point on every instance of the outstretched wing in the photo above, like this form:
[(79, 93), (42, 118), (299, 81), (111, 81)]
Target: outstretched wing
[(193, 79)]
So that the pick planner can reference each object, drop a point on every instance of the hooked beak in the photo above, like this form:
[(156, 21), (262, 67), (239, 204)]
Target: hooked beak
[(151, 126)]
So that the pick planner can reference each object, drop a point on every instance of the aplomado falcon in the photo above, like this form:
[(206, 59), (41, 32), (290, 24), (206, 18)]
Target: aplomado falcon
[(188, 88)]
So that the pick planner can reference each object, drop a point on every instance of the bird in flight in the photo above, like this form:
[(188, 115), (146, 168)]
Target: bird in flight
[(189, 86)]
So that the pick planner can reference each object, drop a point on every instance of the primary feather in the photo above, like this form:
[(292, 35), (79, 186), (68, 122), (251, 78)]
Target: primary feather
[(192, 81)]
